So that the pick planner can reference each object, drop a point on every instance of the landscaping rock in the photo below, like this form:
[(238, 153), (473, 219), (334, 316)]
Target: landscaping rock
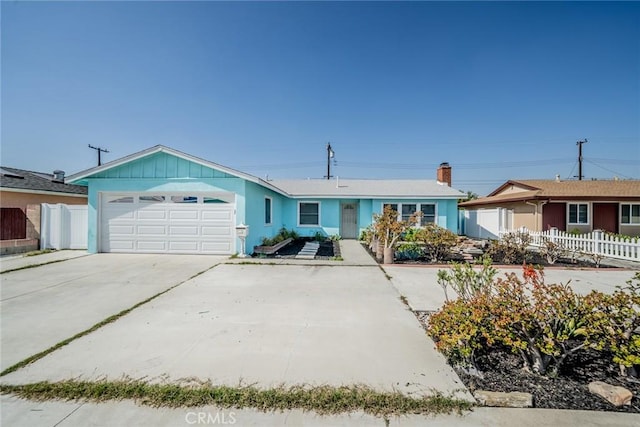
[(515, 399), (616, 395)]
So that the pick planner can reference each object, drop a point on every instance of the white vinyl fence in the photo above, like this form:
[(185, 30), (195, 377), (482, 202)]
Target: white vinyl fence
[(596, 242), (485, 223), (63, 226)]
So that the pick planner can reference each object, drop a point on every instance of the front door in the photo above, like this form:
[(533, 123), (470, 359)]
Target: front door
[(605, 217), (349, 222)]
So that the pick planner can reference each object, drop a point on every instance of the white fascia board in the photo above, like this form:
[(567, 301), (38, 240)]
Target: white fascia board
[(48, 193)]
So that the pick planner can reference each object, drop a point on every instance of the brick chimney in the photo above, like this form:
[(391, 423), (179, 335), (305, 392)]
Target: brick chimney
[(444, 174)]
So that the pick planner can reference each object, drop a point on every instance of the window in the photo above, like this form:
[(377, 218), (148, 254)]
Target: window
[(120, 199), (630, 214), (394, 206), (309, 213), (267, 210), (212, 200), (184, 199), (151, 199), (428, 214), (408, 209), (578, 213)]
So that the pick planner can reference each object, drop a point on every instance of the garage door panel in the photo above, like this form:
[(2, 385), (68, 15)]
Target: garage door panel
[(226, 215), (121, 245), (190, 214), (151, 214), (152, 245), (121, 229), (151, 230), (167, 227), (184, 230), (183, 246), (216, 231)]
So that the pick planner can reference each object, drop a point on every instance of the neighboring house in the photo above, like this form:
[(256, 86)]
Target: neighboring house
[(21, 194), (538, 205), (165, 201)]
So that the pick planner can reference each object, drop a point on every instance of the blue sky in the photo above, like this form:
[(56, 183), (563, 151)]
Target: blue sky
[(499, 90)]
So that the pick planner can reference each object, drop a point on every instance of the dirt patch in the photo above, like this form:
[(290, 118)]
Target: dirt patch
[(328, 249)]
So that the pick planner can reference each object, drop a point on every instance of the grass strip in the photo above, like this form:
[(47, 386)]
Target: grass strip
[(25, 267), (323, 399), (95, 327)]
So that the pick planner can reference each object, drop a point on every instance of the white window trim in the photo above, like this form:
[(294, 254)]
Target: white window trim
[(588, 213), (319, 213), (270, 210), (630, 223), (418, 207)]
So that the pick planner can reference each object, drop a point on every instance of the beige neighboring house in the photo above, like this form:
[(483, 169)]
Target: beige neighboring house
[(21, 194), (538, 205)]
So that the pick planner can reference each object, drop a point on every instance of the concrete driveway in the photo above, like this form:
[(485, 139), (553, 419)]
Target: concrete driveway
[(44, 305), (263, 325)]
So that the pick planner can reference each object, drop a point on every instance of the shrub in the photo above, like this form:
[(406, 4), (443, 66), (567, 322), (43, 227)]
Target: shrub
[(461, 328), (388, 229), (283, 234), (410, 251), (438, 240), (552, 251), (466, 281), (543, 323), (615, 320), (511, 248)]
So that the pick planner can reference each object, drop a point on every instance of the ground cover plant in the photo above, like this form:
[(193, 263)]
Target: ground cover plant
[(518, 333)]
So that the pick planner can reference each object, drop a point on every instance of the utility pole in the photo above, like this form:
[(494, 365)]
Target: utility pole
[(330, 155), (579, 144), (99, 150)]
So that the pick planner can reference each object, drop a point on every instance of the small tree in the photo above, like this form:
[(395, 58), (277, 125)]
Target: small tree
[(438, 240), (388, 229)]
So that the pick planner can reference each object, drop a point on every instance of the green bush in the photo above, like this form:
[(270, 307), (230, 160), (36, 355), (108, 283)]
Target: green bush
[(466, 281), (409, 251), (438, 241), (543, 323), (283, 234)]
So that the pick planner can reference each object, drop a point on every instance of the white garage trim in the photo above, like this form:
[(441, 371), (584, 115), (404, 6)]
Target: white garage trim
[(167, 222)]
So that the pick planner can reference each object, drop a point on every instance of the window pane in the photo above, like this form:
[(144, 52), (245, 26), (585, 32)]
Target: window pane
[(151, 199), (309, 214), (582, 209), (626, 214), (184, 199), (126, 199), (573, 214), (394, 206), (408, 210), (428, 213), (267, 211), (213, 200), (635, 214)]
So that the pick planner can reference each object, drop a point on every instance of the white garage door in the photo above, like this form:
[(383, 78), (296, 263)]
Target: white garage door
[(168, 223)]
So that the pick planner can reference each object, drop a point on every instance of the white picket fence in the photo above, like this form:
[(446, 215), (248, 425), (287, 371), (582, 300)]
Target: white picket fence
[(596, 242), (63, 226)]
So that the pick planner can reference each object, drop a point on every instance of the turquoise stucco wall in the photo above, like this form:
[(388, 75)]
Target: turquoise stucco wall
[(255, 213)]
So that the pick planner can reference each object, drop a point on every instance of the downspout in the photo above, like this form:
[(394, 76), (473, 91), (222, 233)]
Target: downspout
[(535, 214)]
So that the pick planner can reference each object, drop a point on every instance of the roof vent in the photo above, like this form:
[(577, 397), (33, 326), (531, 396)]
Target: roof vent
[(58, 176), (557, 178)]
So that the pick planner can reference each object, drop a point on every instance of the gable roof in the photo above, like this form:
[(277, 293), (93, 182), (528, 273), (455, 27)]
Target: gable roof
[(81, 176), (13, 179), (369, 188), (545, 189)]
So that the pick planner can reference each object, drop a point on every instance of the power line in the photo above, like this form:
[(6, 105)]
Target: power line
[(609, 170)]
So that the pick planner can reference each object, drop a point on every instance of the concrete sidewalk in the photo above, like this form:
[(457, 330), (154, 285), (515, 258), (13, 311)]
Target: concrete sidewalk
[(19, 412), (15, 262)]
